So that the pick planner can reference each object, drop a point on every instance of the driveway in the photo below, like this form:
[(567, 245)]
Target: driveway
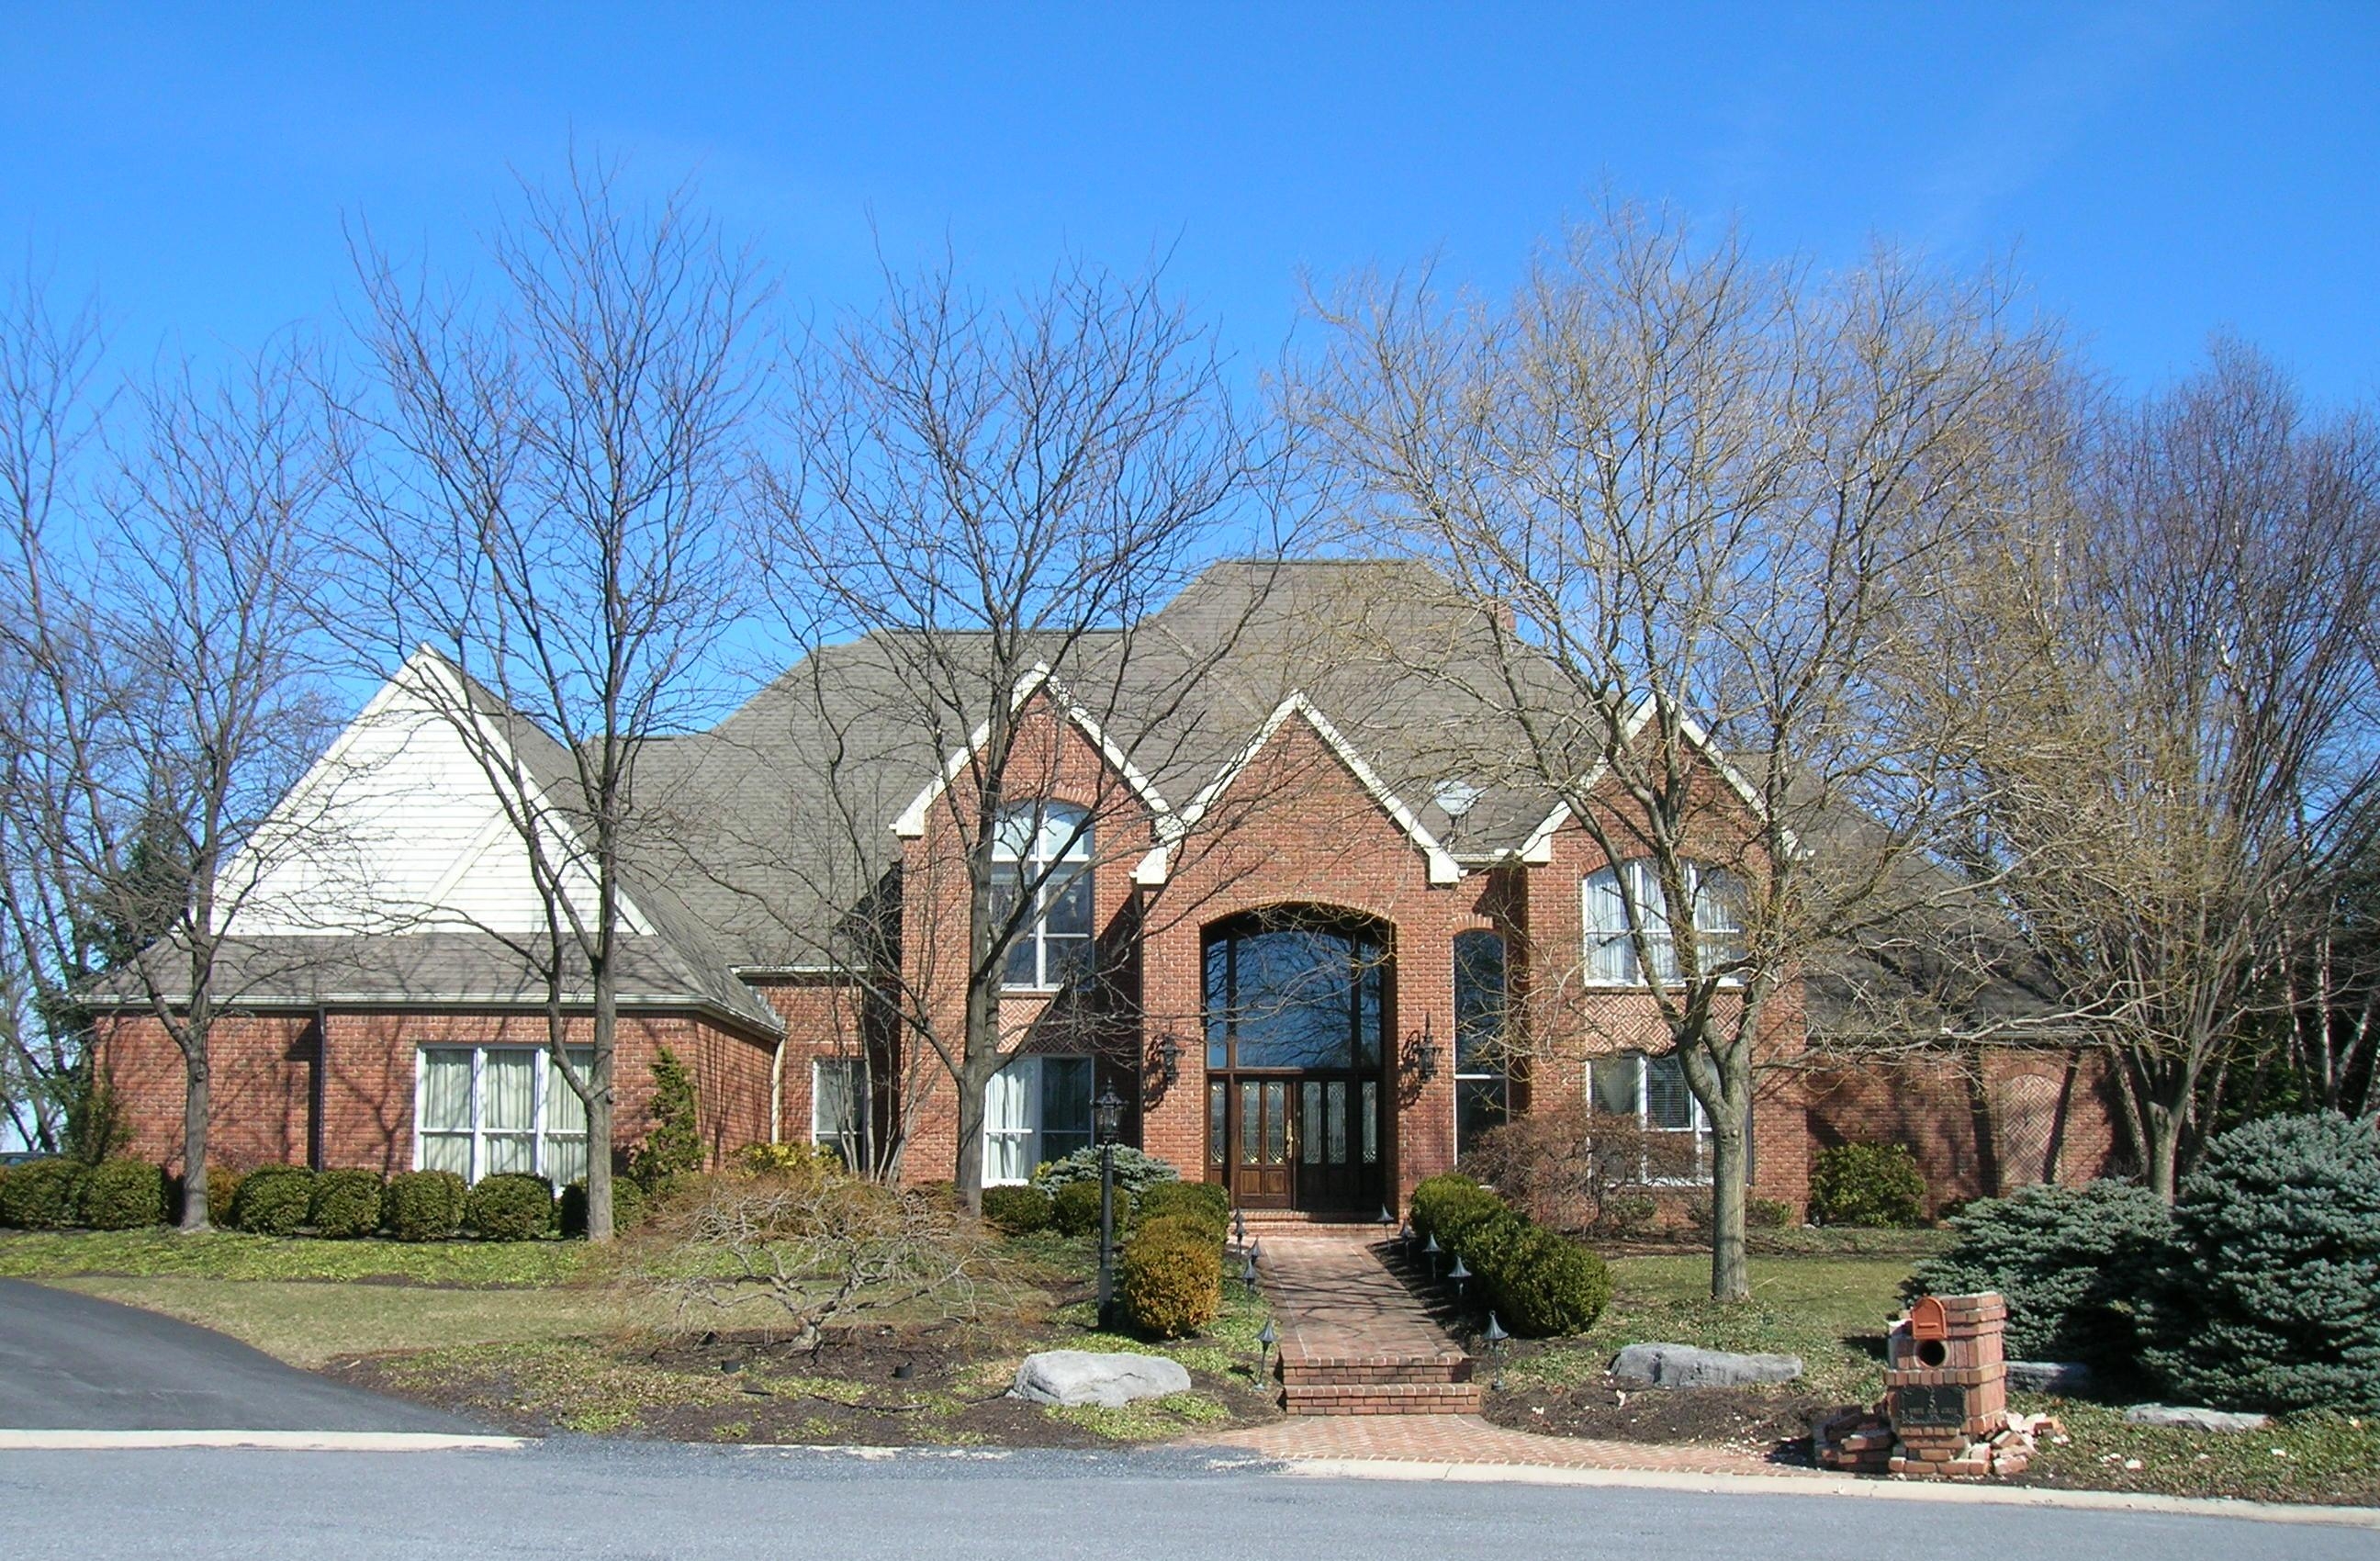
[(72, 1363)]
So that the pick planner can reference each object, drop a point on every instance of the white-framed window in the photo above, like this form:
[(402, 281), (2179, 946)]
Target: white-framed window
[(839, 1108), (1037, 1109), (1046, 849), (1653, 1090), (1608, 894), (478, 1111)]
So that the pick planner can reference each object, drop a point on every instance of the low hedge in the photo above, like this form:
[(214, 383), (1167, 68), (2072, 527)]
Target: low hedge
[(423, 1206), (628, 1205), (1453, 1205), (1170, 1281), (43, 1195), (1873, 1185), (1539, 1284), (346, 1203), (223, 1193), (1207, 1203), (1020, 1211), (510, 1206), (274, 1200), (1075, 1211), (123, 1195)]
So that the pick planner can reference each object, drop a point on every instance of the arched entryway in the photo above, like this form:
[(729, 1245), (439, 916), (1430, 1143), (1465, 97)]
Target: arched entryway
[(1299, 1006)]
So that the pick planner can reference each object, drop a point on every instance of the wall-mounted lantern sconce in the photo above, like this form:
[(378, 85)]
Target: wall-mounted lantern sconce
[(1168, 1061), (1424, 1053)]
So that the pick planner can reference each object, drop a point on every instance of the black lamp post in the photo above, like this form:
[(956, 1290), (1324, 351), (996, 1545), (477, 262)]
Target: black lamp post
[(1107, 1120)]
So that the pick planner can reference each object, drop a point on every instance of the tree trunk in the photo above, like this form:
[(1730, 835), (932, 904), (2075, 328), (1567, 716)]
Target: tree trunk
[(195, 1092), (1730, 1273), (600, 1112), (2162, 1128), (976, 1068)]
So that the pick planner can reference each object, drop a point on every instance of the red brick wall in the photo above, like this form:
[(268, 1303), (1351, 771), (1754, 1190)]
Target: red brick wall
[(262, 1083), (822, 1019), (1980, 1124)]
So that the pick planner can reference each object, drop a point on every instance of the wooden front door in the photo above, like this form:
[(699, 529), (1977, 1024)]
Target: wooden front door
[(1296, 1016)]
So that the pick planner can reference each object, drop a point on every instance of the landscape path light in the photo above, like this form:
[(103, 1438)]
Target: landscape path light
[(1107, 1120)]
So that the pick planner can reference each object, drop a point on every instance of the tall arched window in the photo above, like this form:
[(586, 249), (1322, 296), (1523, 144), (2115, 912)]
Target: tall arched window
[(1482, 1060), (1610, 894), (1041, 852)]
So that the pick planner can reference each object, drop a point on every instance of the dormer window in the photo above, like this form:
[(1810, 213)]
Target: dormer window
[(1041, 853), (1612, 951)]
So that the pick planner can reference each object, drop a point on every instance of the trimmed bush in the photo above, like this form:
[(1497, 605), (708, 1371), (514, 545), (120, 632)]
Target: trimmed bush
[(43, 1195), (1020, 1211), (1135, 1172), (629, 1203), (1075, 1211), (1767, 1214), (346, 1203), (1540, 1284), (2073, 1263), (510, 1206), (423, 1206), (123, 1195), (1874, 1185), (1451, 1207), (274, 1200), (2271, 1298), (788, 1159), (673, 1145), (1170, 1281), (223, 1195), (1206, 1202)]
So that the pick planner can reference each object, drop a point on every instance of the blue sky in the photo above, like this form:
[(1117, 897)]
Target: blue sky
[(2159, 170)]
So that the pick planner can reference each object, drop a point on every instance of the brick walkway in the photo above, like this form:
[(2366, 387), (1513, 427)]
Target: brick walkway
[(1334, 1299), (1469, 1439)]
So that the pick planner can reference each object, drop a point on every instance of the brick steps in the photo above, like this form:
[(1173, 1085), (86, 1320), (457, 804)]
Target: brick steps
[(1382, 1398), (1355, 1341)]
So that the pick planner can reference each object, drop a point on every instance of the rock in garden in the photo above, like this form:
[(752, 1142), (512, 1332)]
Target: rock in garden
[(2185, 1418), (2065, 1378), (1682, 1365), (1078, 1376)]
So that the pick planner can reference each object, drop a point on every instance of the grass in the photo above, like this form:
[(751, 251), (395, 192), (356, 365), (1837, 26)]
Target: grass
[(309, 1322), (2322, 1459), (1814, 1307), (225, 1254)]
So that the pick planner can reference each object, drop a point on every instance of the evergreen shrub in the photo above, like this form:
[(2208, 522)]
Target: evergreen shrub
[(1206, 1202), (1135, 1172), (1867, 1184), (1452, 1207), (43, 1195), (510, 1206), (1539, 1283), (274, 1200), (423, 1206), (1020, 1211), (123, 1195), (1170, 1281), (2071, 1262), (346, 1203), (629, 1203)]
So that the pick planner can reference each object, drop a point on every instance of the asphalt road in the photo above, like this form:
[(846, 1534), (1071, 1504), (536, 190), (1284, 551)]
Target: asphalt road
[(587, 1501), (70, 1361)]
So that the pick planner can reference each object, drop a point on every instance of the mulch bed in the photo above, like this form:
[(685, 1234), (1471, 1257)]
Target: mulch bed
[(868, 1386), (1605, 1411)]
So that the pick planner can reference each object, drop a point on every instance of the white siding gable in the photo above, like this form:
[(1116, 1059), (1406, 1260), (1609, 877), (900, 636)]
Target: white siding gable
[(397, 829)]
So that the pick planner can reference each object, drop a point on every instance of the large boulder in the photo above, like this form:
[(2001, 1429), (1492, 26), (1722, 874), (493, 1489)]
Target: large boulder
[(1078, 1376), (1683, 1365), (2064, 1378), (2185, 1417)]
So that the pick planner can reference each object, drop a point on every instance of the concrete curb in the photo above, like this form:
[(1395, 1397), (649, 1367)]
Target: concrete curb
[(275, 1441), (1829, 1485)]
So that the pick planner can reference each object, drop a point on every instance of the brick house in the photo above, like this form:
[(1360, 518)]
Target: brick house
[(1289, 915)]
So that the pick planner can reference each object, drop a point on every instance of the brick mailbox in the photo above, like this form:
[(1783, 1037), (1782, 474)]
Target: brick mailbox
[(1943, 1414)]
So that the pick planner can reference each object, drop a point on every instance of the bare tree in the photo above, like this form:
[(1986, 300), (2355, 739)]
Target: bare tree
[(1687, 496), (2178, 764), (996, 497), (542, 490), (160, 695)]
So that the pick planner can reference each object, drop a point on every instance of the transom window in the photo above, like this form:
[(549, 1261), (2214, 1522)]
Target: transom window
[(1653, 1091), (1044, 851), (479, 1110), (839, 1108), (1036, 1110), (1611, 892)]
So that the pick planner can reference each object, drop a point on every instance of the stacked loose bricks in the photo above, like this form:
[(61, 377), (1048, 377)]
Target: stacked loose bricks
[(1943, 1415)]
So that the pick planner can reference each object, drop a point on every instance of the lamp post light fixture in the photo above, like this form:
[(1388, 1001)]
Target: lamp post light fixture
[(1405, 1235), (1265, 1339), (1494, 1338), (1461, 1275), (1248, 1271), (1107, 1120), (1431, 1250), (1240, 1228)]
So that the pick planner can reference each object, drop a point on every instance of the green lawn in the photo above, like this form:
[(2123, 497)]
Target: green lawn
[(224, 1254)]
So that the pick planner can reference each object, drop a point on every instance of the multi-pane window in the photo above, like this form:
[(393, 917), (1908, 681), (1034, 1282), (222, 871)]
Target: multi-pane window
[(1036, 1110), (839, 1108), (1611, 892), (1043, 853), (1482, 1084), (1653, 1092), (479, 1110)]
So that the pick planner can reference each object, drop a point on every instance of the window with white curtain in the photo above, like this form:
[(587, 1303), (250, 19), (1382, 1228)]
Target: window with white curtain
[(479, 1110), (1036, 1110), (1653, 1092), (1610, 892), (839, 1108), (1044, 852)]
